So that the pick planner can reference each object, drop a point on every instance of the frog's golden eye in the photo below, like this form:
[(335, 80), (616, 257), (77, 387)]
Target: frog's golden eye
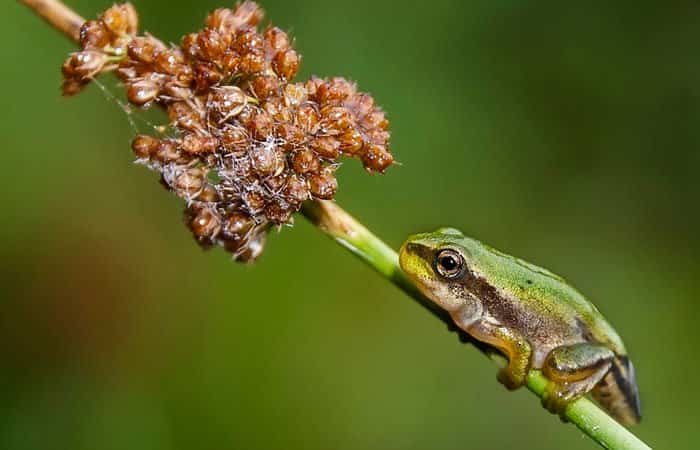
[(449, 263)]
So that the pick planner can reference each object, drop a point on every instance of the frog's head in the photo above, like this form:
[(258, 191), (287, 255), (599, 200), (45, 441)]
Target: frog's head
[(437, 263)]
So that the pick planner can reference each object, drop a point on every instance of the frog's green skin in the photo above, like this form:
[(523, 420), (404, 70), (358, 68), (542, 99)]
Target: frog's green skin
[(532, 316)]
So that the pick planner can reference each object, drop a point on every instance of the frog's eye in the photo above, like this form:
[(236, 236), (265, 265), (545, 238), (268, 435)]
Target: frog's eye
[(449, 263)]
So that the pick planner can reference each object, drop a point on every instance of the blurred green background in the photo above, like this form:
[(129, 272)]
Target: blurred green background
[(564, 133)]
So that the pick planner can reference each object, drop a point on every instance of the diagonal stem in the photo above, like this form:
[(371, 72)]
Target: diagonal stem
[(351, 234)]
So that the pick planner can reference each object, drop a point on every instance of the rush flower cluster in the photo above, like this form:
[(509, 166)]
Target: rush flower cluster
[(250, 144)]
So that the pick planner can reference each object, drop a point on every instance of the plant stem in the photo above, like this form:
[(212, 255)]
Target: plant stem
[(58, 16), (351, 234)]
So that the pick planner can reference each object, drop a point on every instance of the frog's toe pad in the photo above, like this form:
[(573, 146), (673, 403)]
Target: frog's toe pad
[(506, 378), (556, 399)]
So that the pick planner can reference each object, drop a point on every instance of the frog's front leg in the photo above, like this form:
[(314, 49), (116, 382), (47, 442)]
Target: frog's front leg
[(515, 347), (572, 372)]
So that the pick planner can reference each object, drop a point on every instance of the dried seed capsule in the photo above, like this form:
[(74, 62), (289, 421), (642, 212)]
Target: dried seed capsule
[(336, 118), (376, 119), (145, 49), (334, 91), (167, 152), (189, 182), (286, 63), (142, 92), (291, 135), (251, 63), (307, 118), (237, 225), (295, 95), (205, 225), (144, 146), (197, 145), (360, 104), (254, 201), (234, 139), (84, 65), (263, 86), (276, 39), (212, 44), (323, 185), (261, 125), (226, 102), (278, 111), (296, 190), (249, 41), (208, 194), (247, 13), (93, 34), (326, 147), (184, 117), (351, 142), (278, 212), (170, 61), (205, 76), (266, 160), (121, 19), (376, 158), (305, 161)]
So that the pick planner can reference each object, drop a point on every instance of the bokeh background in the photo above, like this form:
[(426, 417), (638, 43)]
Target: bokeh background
[(564, 133)]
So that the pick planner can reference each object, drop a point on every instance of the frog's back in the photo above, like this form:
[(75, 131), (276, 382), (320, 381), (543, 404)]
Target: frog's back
[(545, 294)]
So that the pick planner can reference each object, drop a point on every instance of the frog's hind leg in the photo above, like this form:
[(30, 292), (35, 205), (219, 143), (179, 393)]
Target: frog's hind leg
[(572, 372)]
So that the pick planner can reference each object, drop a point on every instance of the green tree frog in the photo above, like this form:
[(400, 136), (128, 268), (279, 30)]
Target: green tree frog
[(530, 315)]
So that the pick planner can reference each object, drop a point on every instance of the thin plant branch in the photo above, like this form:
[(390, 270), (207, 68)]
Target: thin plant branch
[(332, 220)]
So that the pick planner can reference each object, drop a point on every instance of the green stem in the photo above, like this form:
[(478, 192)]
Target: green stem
[(351, 234)]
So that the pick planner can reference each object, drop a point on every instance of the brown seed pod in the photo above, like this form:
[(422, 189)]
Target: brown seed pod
[(376, 158), (237, 225), (234, 139), (323, 185), (276, 39), (286, 63), (296, 190), (307, 118), (84, 65), (145, 146), (226, 102), (254, 201), (197, 145), (305, 161), (326, 147), (142, 92), (167, 152), (185, 117), (188, 182), (278, 211), (266, 160), (204, 223), (94, 35), (263, 86), (145, 49), (121, 19)]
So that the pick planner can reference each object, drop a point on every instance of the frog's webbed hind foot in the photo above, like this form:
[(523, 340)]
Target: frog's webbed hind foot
[(572, 372)]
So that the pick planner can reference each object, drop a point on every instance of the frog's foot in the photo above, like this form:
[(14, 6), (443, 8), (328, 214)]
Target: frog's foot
[(572, 372), (509, 379)]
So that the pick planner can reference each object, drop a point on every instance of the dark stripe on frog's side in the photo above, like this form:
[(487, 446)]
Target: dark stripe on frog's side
[(537, 328)]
